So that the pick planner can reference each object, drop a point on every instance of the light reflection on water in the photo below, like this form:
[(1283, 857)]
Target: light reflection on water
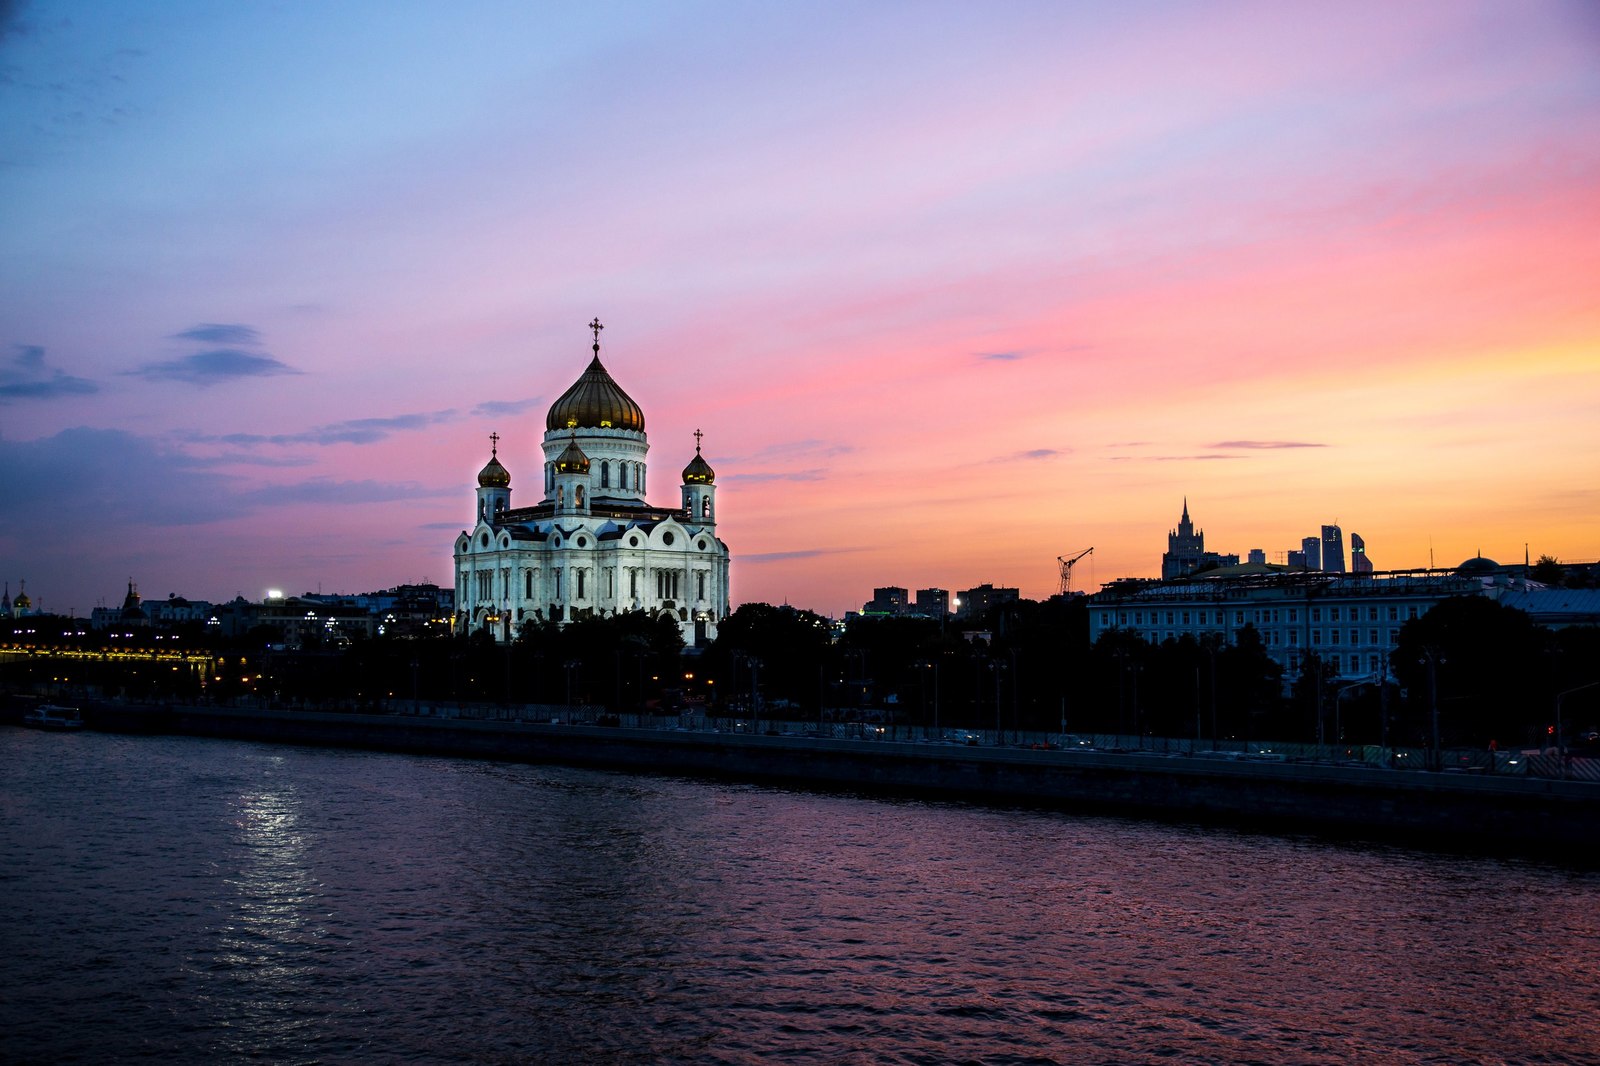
[(189, 900)]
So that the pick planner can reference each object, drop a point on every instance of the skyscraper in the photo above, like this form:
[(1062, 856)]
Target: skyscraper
[(1311, 549), (1332, 549), (1186, 548), (1359, 563)]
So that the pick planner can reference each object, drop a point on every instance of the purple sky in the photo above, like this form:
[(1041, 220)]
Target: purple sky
[(951, 289)]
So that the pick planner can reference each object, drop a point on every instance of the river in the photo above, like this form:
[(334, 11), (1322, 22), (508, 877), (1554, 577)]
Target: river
[(188, 900)]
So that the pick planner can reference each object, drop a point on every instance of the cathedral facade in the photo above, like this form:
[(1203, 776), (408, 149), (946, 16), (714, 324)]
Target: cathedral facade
[(592, 546)]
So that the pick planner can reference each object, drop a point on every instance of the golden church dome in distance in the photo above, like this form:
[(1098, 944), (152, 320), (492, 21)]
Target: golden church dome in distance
[(595, 400), (494, 475), (572, 460)]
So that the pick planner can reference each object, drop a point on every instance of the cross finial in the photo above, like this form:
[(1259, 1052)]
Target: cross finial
[(697, 436), (597, 327), (494, 445)]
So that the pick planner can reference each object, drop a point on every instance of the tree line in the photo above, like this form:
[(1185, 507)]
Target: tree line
[(1471, 669)]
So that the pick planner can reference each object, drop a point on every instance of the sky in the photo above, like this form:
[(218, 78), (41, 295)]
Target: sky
[(952, 289)]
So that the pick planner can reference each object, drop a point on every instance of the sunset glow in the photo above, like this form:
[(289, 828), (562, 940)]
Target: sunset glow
[(952, 290)]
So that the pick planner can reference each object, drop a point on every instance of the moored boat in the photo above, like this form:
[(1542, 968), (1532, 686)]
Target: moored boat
[(51, 716)]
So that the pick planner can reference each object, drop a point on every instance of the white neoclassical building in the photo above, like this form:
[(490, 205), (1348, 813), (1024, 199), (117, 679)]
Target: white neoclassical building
[(592, 546)]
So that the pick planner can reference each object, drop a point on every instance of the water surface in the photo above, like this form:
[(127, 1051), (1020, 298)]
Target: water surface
[(189, 900)]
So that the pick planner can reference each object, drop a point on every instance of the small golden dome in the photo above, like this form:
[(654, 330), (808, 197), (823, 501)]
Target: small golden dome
[(698, 472), (572, 461), (494, 475), (595, 401)]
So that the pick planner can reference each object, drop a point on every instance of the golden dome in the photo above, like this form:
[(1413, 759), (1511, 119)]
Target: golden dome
[(595, 401), (698, 472), (572, 461), (494, 475)]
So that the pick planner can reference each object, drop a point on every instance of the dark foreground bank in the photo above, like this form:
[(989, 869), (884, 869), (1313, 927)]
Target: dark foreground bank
[(1555, 819)]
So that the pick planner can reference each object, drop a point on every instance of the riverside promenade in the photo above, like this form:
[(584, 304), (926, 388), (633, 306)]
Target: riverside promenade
[(1495, 812)]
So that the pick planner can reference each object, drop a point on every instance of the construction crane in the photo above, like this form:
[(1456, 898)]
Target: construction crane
[(1066, 570)]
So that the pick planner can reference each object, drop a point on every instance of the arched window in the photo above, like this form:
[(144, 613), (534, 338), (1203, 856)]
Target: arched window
[(605, 475), (577, 496), (527, 584), (561, 496), (705, 507)]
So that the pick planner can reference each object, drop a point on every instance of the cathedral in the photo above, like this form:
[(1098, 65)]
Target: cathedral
[(592, 546)]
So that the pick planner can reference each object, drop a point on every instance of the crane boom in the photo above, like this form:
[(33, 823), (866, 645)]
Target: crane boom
[(1066, 570)]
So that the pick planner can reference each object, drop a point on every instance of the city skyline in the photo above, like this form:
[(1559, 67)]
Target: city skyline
[(951, 292)]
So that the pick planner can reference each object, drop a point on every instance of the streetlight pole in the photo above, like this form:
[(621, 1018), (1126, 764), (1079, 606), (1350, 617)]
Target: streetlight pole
[(999, 735), (1430, 658), (1561, 749), (1338, 721)]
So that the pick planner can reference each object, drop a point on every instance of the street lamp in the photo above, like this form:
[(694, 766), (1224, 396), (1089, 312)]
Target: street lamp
[(999, 669), (570, 664), (1431, 659), (1338, 722), (1560, 747)]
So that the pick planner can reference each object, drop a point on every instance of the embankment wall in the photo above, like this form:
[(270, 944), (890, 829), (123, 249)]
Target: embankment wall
[(1443, 809)]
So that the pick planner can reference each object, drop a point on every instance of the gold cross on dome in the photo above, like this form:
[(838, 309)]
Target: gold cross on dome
[(494, 444), (597, 327), (697, 436)]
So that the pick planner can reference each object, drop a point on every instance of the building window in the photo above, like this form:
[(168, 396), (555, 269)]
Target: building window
[(1333, 636), (1372, 614), (605, 475), (633, 583), (1238, 618), (1316, 614), (1294, 614), (1185, 617), (1411, 612), (1333, 614), (700, 581), (1122, 618), (1316, 637), (1169, 618), (1355, 636), (1372, 637), (581, 574), (527, 584), (1394, 613), (1372, 663)]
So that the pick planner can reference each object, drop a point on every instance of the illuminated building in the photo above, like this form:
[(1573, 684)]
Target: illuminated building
[(592, 546)]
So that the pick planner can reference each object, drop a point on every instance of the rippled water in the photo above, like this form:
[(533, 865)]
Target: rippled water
[(190, 900)]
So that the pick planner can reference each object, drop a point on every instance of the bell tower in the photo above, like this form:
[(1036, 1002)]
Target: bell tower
[(571, 474), (494, 486), (699, 490)]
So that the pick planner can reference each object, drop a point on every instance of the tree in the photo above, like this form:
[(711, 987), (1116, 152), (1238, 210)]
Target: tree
[(781, 648), (1250, 686), (1487, 668), (1548, 571)]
